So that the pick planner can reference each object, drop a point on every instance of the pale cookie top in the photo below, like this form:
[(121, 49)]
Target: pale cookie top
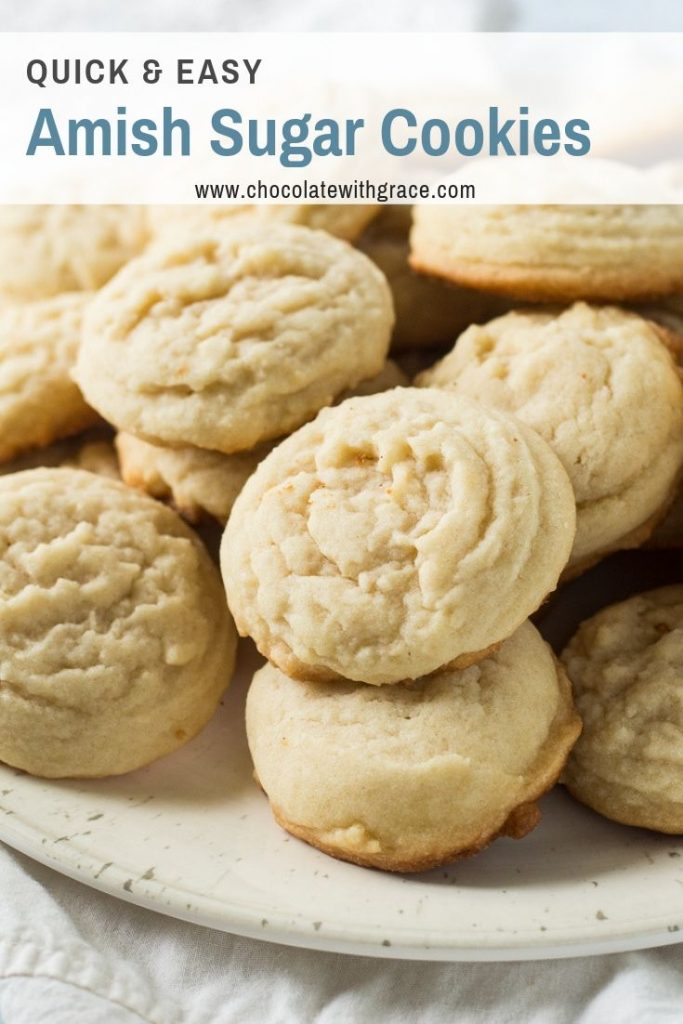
[(45, 250), (111, 612), (342, 220), (625, 668), (556, 253), (39, 401), (199, 481), (395, 534), (599, 386), (233, 338), (413, 772)]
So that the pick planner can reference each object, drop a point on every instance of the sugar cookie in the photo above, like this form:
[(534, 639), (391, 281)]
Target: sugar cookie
[(39, 402), (599, 386), (394, 535), (413, 776), (115, 639), (625, 667), (228, 340), (553, 253)]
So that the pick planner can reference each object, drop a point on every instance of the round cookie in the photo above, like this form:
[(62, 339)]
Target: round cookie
[(394, 535), (625, 667), (227, 340), (415, 775), (599, 386), (200, 482), (429, 312), (115, 639), (39, 401), (45, 250), (553, 253)]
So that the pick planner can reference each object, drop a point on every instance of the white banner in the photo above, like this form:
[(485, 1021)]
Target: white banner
[(234, 118)]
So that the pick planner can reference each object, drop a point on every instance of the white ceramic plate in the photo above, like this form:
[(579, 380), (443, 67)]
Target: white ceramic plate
[(192, 837)]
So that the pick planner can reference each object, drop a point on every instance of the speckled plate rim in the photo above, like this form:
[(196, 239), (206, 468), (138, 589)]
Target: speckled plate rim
[(295, 930)]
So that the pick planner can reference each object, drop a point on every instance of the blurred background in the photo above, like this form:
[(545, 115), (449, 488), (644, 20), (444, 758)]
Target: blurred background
[(348, 15)]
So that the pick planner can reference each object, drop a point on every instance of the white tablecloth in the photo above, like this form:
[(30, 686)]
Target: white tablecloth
[(69, 955)]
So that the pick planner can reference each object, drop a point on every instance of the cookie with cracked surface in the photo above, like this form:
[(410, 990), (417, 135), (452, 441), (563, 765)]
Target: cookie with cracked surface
[(46, 250), (199, 482), (345, 221), (553, 253), (625, 667), (115, 639), (413, 776), (234, 338), (429, 311), (39, 402), (394, 535), (598, 384)]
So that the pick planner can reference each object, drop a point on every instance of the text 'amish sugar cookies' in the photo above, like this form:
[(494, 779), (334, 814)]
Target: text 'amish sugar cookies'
[(234, 337), (412, 776), (394, 535), (115, 639)]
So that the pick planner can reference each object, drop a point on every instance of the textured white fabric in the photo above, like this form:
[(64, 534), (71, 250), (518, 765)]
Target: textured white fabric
[(121, 965), (70, 955)]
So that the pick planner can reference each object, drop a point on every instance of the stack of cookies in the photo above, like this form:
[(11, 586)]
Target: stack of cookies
[(385, 559), (385, 544), (401, 541)]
